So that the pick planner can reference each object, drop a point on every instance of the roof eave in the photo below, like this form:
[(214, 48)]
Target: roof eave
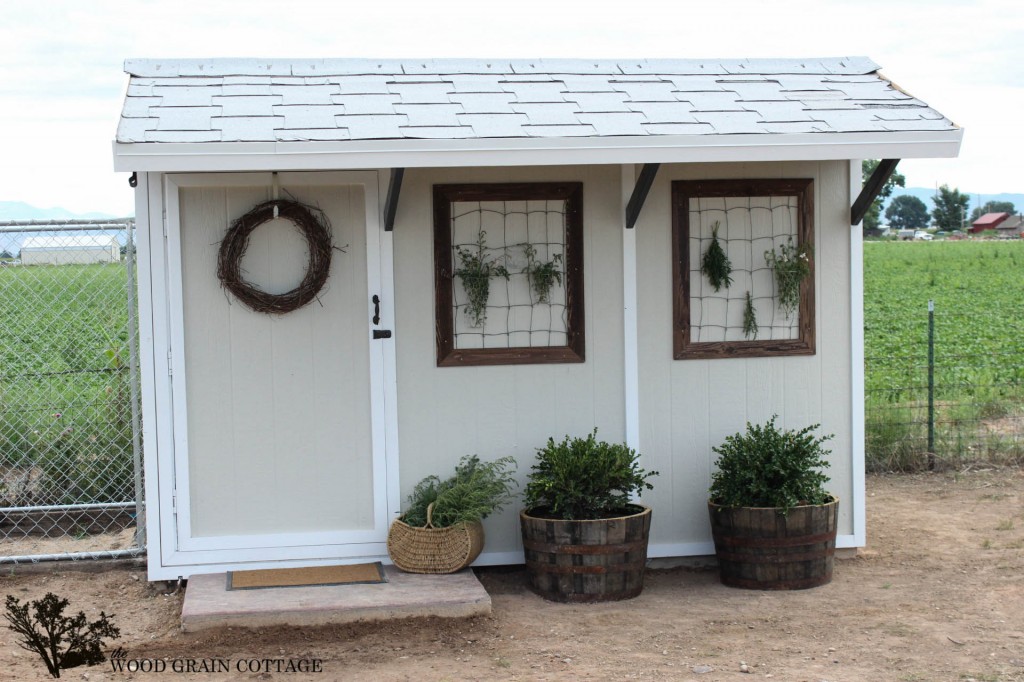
[(423, 153)]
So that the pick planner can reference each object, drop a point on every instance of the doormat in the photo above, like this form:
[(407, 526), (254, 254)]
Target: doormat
[(354, 574)]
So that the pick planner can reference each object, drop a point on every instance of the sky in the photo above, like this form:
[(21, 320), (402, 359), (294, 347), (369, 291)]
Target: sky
[(62, 81)]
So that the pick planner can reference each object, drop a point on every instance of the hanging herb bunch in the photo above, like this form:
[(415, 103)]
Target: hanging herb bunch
[(715, 264), (476, 273), (542, 274), (790, 265), (749, 319)]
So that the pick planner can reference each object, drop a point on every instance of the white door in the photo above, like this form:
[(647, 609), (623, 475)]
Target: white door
[(279, 420)]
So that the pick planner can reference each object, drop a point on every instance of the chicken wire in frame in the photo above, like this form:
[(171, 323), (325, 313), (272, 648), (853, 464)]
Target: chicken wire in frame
[(503, 229), (753, 218)]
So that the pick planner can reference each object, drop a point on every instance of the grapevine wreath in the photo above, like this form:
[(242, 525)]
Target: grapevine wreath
[(316, 229)]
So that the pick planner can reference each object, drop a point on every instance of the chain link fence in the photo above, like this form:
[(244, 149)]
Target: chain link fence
[(950, 391), (70, 455)]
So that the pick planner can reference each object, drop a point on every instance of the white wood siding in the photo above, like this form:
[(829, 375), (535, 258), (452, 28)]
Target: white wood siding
[(447, 412), (689, 406)]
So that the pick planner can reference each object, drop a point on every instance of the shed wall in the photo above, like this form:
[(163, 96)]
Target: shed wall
[(447, 412), (689, 406), (686, 406)]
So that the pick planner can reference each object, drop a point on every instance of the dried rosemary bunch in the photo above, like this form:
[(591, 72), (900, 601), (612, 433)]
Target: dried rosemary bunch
[(715, 264), (749, 319)]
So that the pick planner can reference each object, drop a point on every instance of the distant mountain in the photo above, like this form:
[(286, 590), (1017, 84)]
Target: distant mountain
[(925, 194), (19, 210)]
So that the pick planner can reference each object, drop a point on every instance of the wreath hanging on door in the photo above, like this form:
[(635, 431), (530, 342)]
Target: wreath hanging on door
[(316, 229)]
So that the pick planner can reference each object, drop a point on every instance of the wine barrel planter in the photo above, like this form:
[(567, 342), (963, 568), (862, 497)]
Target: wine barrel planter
[(763, 549), (586, 560)]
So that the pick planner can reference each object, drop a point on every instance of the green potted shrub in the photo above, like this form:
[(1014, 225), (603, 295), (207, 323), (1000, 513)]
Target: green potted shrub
[(441, 529), (773, 521), (584, 539)]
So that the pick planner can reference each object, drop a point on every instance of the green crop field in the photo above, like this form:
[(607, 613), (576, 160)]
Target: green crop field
[(65, 410), (978, 350)]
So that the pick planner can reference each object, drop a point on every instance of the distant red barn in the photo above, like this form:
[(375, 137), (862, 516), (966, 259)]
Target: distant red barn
[(989, 221)]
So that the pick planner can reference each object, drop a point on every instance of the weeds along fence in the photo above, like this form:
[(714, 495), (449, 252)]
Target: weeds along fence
[(70, 451), (947, 392)]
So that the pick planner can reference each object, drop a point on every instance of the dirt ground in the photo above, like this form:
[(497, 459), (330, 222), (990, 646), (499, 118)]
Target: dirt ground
[(937, 595)]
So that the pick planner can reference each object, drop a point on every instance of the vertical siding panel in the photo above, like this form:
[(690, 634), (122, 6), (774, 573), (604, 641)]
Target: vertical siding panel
[(253, 408), (209, 461)]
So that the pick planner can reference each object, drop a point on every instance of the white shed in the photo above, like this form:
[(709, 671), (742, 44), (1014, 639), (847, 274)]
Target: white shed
[(292, 439), (74, 249)]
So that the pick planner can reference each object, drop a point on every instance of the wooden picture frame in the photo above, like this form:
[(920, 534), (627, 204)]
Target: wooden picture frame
[(444, 196), (683, 191)]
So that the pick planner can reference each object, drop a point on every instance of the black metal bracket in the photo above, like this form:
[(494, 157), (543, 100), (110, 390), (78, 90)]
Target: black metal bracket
[(640, 191), (382, 333), (871, 189), (133, 181), (391, 204)]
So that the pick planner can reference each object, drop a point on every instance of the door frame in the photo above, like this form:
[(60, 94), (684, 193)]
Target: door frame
[(179, 553)]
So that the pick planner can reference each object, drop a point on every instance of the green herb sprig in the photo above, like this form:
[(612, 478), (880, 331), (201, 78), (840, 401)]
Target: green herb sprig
[(476, 273)]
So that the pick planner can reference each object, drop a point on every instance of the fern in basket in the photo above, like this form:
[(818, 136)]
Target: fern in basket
[(475, 491)]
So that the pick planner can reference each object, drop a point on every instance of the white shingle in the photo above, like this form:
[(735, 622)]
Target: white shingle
[(301, 117), (135, 129), (599, 102), (665, 112), (485, 102), (181, 136), (421, 93), (731, 122), (313, 134), (559, 131), (430, 114), (244, 89), (305, 94), (185, 118), (247, 128), (647, 92), (495, 125), (247, 105), (373, 127), (367, 104), (713, 101), (475, 83), (588, 83), (551, 113), (138, 107), (360, 85), (436, 132), (247, 80), (794, 127), (694, 128), (191, 96), (630, 123), (535, 91)]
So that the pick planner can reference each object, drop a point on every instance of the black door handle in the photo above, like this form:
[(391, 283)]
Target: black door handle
[(376, 309)]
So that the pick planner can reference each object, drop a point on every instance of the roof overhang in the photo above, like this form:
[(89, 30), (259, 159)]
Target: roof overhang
[(425, 153)]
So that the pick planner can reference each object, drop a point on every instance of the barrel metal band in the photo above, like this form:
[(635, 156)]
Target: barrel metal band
[(551, 548), (589, 570), (795, 541), (774, 558)]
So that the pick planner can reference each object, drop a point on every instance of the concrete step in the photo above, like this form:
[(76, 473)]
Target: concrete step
[(209, 604)]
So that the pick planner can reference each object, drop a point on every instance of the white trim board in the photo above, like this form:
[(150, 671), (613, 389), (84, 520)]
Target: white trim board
[(418, 153)]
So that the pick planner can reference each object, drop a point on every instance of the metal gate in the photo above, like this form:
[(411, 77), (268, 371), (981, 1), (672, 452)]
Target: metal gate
[(70, 452)]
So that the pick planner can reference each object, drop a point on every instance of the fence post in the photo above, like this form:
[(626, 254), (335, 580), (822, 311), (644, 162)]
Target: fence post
[(931, 385)]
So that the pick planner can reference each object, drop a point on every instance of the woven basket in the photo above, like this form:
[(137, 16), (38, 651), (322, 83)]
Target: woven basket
[(434, 550)]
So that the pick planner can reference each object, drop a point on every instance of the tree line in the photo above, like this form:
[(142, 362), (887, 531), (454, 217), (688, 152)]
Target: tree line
[(907, 212)]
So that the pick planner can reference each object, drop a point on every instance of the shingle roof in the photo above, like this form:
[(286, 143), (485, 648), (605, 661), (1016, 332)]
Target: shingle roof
[(254, 100)]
